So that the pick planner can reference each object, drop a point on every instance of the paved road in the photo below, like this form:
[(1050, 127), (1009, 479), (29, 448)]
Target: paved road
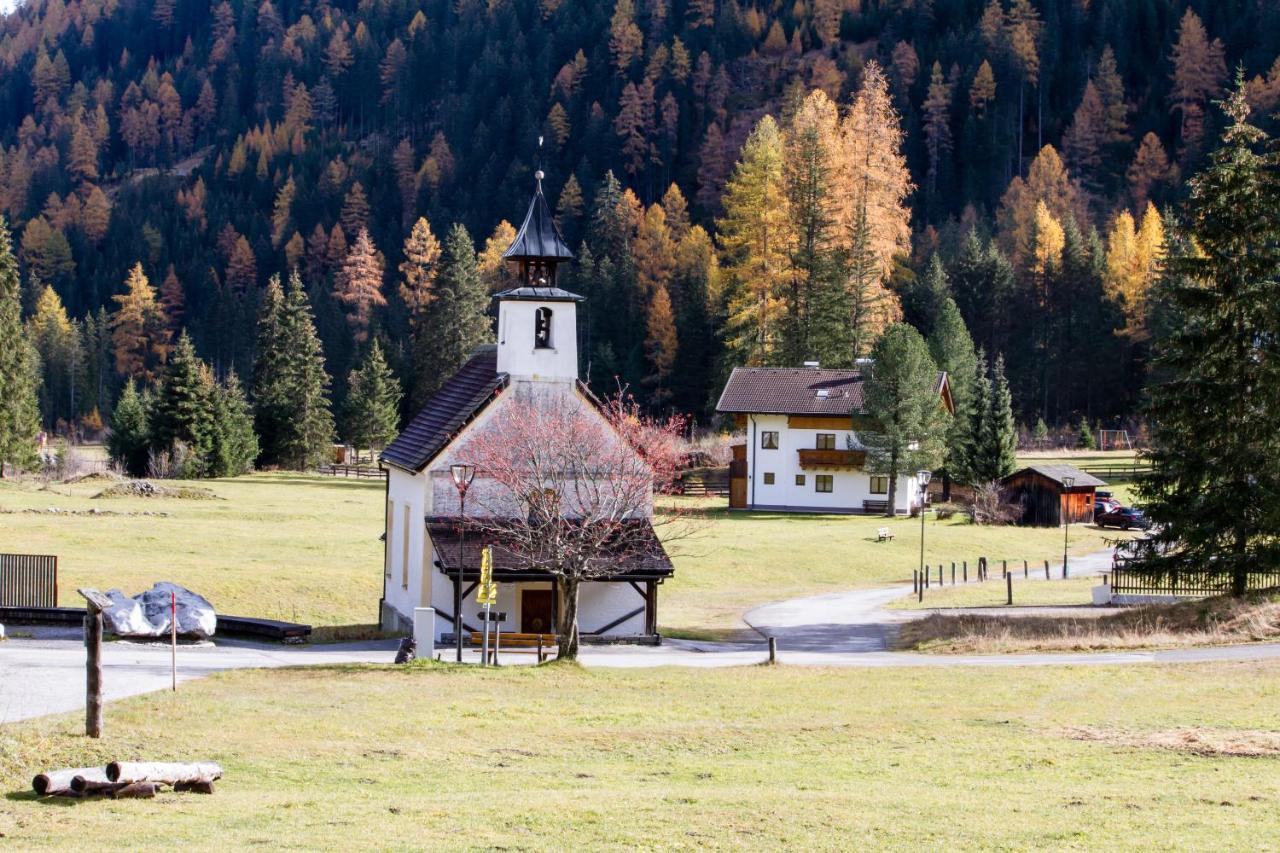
[(849, 629)]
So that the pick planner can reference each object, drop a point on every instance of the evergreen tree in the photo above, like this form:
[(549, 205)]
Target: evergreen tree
[(235, 445), (306, 432), (130, 438), (373, 402), (1214, 491), (952, 351), (184, 409), (991, 439), (458, 321), (19, 369), (57, 341), (1040, 434), (901, 396), (269, 392), (1084, 436)]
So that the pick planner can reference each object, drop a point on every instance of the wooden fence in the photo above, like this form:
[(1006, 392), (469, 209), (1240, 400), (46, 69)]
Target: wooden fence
[(1128, 581), (702, 483), (1118, 472), (28, 580), (358, 471)]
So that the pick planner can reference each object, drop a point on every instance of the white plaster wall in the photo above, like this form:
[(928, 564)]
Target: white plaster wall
[(409, 490), (518, 357), (601, 603), (849, 488)]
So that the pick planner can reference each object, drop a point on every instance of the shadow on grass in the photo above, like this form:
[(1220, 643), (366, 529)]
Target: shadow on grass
[(715, 635), (29, 796)]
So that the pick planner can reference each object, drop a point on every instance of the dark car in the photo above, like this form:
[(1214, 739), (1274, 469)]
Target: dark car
[(1125, 517), (1102, 505)]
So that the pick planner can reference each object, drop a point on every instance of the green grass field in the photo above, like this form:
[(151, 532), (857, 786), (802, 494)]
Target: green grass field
[(306, 549), (558, 758), (281, 546), (993, 593)]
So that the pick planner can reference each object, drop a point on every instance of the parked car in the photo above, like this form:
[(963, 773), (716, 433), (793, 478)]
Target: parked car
[(1125, 517), (1101, 505)]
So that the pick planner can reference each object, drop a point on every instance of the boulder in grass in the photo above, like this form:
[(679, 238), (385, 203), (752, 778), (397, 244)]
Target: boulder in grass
[(126, 618)]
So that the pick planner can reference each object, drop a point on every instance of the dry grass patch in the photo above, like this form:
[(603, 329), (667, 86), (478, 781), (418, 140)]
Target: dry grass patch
[(1214, 621), (1212, 743)]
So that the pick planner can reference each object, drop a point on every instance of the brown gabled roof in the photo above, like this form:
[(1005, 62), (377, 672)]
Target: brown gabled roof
[(1056, 473), (644, 559), (800, 391), (457, 401)]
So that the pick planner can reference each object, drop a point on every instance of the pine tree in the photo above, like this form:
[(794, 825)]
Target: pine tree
[(373, 402), (1213, 492), (1040, 434), (359, 285), (184, 409), (1199, 70), (953, 352), (418, 269), (130, 438), (937, 130), (661, 346), (57, 343), (991, 439), (901, 394), (306, 431), (19, 370), (172, 300), (139, 329), (498, 273), (1150, 167), (458, 321), (1084, 436), (753, 240), (235, 444)]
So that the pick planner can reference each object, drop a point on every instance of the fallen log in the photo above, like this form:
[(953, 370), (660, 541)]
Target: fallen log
[(89, 787), (135, 791), (170, 773), (60, 782), (194, 787)]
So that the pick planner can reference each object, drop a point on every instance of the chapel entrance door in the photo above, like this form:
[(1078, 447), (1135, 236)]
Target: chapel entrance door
[(537, 611)]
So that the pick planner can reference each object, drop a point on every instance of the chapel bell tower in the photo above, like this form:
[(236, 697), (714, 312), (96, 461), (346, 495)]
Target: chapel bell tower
[(537, 321)]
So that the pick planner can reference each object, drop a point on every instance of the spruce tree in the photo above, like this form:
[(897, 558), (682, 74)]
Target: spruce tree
[(306, 433), (952, 351), (19, 370), (1214, 490), (235, 445), (458, 321), (130, 438), (901, 396), (269, 395), (1084, 436), (1000, 433), (184, 409), (373, 402)]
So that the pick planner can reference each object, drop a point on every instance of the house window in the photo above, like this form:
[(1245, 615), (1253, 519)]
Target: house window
[(768, 478), (823, 483), (404, 555), (542, 328), (799, 479), (879, 485), (769, 440), (826, 441), (386, 549)]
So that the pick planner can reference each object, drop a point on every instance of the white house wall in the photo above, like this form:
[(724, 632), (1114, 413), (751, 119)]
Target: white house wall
[(403, 588), (849, 487)]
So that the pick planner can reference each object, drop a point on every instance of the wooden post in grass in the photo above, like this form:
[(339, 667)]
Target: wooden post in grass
[(966, 571), (1024, 569), (915, 580), (1004, 568), (1008, 579), (982, 568), (953, 574), (1046, 570), (939, 574), (773, 650), (96, 602), (920, 592)]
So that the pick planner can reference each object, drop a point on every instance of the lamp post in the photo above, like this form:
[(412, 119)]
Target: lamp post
[(925, 477), (1067, 483), (462, 476)]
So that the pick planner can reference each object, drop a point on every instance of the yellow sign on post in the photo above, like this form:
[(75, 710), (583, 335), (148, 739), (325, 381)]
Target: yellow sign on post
[(487, 590)]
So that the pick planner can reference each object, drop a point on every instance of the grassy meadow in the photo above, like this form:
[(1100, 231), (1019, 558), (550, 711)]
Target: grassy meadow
[(993, 593), (558, 757), (281, 546)]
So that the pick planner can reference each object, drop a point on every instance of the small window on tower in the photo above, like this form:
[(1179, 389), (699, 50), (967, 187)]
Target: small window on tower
[(542, 328)]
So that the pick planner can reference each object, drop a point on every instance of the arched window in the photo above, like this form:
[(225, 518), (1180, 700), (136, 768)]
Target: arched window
[(542, 328)]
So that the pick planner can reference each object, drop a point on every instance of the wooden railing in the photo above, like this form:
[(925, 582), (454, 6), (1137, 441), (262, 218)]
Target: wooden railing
[(813, 458), (359, 471), (1130, 581), (1119, 472), (703, 483), (28, 580)]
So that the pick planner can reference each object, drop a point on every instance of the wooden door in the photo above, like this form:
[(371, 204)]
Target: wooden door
[(537, 611)]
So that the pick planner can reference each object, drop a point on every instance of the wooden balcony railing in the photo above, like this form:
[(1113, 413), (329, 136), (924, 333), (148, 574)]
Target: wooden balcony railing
[(832, 458)]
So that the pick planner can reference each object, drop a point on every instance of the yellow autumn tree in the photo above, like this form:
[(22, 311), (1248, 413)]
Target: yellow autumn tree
[(1133, 262), (139, 329), (498, 274)]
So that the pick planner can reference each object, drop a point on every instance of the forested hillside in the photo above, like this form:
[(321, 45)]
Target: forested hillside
[(743, 182)]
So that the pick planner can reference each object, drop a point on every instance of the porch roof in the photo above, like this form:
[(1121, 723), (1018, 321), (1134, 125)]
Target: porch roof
[(648, 562)]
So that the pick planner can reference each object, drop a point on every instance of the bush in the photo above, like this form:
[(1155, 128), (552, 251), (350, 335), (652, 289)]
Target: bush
[(991, 505)]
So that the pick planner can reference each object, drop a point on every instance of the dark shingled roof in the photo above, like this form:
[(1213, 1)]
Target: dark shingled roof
[(539, 294), (796, 391), (453, 405), (538, 236), (1058, 472), (645, 557)]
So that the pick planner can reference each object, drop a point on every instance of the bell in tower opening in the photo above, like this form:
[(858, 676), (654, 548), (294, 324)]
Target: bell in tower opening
[(542, 328)]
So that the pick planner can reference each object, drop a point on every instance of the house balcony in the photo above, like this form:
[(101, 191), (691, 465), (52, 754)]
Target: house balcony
[(831, 459)]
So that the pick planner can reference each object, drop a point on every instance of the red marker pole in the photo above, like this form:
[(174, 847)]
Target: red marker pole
[(173, 637)]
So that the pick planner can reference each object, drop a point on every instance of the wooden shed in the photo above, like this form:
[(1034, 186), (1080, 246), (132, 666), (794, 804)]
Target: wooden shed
[(1045, 497)]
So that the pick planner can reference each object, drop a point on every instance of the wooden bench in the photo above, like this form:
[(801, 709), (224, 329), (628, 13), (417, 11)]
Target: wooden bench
[(884, 534), (542, 645), (875, 506)]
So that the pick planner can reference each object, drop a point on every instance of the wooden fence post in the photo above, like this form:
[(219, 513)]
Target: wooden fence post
[(773, 650), (939, 574), (915, 579), (1009, 582), (1024, 569), (95, 603), (1004, 568), (966, 571), (1046, 570), (953, 574)]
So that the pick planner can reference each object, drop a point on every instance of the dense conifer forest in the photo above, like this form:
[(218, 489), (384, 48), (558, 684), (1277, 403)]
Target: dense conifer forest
[(742, 182)]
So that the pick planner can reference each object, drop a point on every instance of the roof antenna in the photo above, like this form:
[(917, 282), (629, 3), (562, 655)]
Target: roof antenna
[(538, 174)]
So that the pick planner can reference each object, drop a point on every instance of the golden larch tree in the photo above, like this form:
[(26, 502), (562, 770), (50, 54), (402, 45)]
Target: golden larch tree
[(359, 285), (139, 329)]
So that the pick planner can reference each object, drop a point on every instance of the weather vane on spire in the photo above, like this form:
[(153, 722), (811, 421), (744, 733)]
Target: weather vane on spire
[(538, 174)]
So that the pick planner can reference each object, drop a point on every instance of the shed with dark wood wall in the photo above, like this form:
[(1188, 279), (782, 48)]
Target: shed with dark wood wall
[(1045, 498)]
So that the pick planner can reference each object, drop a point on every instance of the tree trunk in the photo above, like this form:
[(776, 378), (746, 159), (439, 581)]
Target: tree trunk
[(893, 486), (569, 625), (60, 781), (166, 772)]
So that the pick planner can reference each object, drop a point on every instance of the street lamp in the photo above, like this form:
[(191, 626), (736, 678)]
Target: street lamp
[(1067, 483), (462, 476), (924, 477)]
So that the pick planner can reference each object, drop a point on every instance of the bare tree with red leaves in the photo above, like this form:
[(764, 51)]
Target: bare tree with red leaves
[(567, 488)]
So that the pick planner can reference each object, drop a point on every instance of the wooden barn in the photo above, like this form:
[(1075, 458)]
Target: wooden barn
[(1045, 497)]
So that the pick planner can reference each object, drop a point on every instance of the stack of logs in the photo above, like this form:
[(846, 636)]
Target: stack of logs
[(128, 779)]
